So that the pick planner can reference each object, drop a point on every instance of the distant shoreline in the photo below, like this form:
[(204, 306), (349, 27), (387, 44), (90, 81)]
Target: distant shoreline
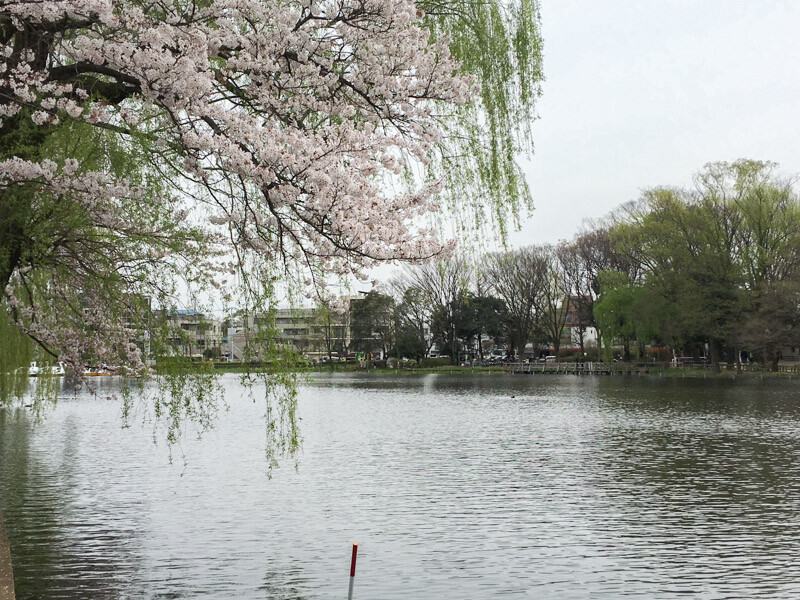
[(675, 373), (618, 370)]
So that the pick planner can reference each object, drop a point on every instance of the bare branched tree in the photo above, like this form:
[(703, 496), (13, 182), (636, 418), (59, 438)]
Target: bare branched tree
[(517, 278), (444, 285), (555, 297)]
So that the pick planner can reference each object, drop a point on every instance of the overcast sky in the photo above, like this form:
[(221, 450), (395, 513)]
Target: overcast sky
[(644, 93)]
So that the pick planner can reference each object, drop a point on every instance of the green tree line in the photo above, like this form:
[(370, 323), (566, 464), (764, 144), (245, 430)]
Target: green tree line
[(712, 271)]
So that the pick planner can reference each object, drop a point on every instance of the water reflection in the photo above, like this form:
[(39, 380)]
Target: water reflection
[(704, 469), (455, 486), (48, 506)]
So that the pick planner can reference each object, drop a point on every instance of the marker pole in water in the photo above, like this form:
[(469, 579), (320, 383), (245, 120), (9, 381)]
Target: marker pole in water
[(352, 570)]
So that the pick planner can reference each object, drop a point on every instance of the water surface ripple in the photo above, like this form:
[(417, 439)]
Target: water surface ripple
[(454, 486)]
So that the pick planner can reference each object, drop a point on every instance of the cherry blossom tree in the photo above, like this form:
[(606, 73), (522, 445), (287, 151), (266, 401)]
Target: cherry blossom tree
[(148, 142)]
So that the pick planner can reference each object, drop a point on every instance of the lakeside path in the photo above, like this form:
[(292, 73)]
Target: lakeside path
[(6, 573)]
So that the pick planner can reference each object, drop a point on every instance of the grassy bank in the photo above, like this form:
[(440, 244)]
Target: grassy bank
[(355, 368), (441, 366)]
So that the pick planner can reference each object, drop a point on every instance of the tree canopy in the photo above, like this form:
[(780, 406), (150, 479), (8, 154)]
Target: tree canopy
[(714, 260), (148, 143), (709, 271)]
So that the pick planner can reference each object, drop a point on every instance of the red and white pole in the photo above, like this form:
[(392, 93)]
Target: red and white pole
[(352, 570)]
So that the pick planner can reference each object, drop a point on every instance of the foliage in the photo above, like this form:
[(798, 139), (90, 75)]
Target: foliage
[(453, 327), (462, 325), (15, 354), (413, 320), (773, 321), (409, 342), (150, 150), (710, 256), (373, 322), (714, 268), (272, 127), (499, 43), (486, 317), (626, 312)]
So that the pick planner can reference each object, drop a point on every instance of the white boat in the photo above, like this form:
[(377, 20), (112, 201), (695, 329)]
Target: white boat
[(39, 371)]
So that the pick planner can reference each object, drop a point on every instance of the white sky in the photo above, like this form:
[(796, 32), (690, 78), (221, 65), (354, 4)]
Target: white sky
[(643, 93)]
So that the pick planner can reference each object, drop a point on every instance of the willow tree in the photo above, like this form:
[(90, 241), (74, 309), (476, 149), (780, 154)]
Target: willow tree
[(499, 44), (147, 142)]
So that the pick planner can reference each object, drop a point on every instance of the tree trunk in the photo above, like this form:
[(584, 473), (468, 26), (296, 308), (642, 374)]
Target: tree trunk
[(329, 347), (776, 357), (521, 344), (11, 235), (453, 348), (730, 357), (713, 350)]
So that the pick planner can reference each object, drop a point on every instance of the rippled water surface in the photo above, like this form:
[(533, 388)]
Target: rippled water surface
[(455, 487)]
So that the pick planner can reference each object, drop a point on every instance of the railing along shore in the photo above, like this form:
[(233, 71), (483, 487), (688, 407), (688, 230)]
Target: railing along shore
[(629, 368)]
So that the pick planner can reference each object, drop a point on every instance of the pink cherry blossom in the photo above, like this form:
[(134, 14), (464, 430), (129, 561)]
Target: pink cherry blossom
[(283, 126)]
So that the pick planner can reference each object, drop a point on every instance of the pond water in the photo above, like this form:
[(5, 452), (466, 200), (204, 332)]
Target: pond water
[(474, 486)]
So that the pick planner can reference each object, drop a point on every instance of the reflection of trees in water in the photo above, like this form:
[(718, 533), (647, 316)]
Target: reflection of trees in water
[(709, 469), (47, 512), (702, 439)]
